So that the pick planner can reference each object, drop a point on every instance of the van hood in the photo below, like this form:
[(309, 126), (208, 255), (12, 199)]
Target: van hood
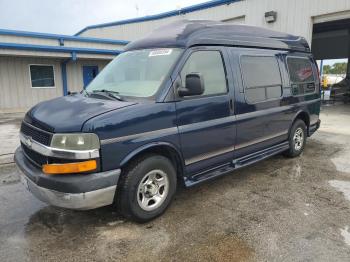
[(69, 113)]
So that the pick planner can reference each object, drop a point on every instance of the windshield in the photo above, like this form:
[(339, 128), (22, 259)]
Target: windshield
[(136, 73)]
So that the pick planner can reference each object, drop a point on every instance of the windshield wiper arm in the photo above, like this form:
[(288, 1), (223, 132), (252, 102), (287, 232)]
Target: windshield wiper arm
[(84, 92), (112, 94)]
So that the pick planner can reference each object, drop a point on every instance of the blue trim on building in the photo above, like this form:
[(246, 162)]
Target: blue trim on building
[(181, 11), (321, 69), (74, 56), (64, 77), (64, 72), (61, 38), (61, 49), (61, 41)]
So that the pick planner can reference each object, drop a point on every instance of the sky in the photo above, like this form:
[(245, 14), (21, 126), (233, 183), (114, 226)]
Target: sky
[(70, 16), (333, 61)]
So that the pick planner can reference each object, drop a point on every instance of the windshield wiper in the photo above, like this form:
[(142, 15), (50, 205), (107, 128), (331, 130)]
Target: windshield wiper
[(112, 94), (84, 92)]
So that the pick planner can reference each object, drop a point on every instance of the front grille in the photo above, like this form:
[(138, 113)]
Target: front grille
[(35, 157), (36, 134)]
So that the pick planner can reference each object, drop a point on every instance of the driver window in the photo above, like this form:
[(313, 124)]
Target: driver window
[(210, 65)]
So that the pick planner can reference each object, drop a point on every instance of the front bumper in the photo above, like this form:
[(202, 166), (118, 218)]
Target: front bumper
[(81, 191)]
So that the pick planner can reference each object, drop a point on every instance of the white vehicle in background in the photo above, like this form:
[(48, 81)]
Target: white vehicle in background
[(336, 87), (331, 79)]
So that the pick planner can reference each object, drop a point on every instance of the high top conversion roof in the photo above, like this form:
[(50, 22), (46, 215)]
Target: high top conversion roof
[(187, 33)]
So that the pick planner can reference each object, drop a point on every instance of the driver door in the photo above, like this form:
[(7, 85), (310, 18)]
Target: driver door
[(206, 122)]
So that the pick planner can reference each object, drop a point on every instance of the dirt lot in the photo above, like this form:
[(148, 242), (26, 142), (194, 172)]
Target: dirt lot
[(277, 210)]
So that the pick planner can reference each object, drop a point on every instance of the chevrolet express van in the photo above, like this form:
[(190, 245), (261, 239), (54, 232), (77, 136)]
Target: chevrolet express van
[(192, 101)]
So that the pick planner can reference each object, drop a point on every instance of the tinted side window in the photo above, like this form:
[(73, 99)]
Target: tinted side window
[(210, 65), (301, 75), (262, 78)]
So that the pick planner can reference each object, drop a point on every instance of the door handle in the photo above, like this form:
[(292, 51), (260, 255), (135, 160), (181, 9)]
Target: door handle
[(231, 104)]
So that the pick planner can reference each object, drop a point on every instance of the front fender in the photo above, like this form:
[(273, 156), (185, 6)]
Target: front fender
[(147, 147)]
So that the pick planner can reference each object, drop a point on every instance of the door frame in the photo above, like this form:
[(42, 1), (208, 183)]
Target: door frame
[(230, 83), (83, 71)]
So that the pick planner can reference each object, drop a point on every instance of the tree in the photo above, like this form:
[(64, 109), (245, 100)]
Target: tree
[(327, 69), (337, 69)]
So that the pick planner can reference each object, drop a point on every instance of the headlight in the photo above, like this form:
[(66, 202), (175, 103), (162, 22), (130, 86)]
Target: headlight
[(82, 141)]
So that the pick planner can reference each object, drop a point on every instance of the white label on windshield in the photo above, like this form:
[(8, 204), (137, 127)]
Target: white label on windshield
[(159, 52)]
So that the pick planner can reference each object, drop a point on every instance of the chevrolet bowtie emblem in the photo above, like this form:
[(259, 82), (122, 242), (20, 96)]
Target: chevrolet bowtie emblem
[(28, 141)]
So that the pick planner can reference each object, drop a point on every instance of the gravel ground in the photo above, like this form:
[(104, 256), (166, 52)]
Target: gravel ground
[(276, 210)]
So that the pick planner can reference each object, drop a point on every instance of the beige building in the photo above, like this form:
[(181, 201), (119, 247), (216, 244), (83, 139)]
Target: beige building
[(324, 23), (293, 16), (36, 67)]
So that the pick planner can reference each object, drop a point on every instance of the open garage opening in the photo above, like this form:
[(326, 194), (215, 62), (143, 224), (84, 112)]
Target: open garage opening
[(331, 48)]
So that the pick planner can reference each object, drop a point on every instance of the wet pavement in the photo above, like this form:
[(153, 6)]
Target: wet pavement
[(276, 210), (9, 126)]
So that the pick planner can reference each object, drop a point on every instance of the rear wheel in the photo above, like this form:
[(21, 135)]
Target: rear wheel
[(146, 188), (297, 139)]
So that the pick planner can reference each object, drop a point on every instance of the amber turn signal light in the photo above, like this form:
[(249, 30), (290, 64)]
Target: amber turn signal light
[(70, 168)]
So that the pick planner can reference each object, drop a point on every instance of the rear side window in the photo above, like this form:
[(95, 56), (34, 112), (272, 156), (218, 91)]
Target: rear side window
[(301, 75), (262, 78), (210, 65)]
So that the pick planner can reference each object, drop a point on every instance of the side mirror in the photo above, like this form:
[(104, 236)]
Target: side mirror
[(194, 85)]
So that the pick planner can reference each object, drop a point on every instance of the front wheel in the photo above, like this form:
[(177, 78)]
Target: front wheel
[(146, 188), (297, 139)]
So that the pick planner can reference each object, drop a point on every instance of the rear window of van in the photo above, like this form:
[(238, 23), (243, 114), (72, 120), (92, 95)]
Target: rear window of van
[(301, 75), (300, 70)]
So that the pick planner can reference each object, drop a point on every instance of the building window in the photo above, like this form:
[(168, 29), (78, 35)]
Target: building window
[(42, 76), (262, 78), (301, 75), (210, 65)]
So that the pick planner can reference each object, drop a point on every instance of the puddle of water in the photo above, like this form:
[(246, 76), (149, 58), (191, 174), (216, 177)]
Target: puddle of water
[(342, 186), (341, 157), (341, 162), (346, 235)]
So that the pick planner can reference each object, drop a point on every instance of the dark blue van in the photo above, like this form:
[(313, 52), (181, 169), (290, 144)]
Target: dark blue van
[(192, 101)]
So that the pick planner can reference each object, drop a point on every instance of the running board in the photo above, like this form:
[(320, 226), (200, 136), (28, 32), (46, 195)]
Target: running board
[(236, 164), (260, 155)]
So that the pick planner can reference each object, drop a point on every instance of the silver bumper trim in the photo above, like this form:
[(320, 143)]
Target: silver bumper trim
[(79, 201), (58, 153)]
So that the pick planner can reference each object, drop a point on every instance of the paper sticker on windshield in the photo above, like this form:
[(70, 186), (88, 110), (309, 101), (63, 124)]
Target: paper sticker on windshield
[(159, 52)]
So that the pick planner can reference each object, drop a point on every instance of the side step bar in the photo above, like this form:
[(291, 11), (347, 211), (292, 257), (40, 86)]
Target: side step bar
[(260, 155), (236, 164)]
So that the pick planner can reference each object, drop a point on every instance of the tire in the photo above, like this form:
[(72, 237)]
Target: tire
[(297, 139), (146, 188)]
